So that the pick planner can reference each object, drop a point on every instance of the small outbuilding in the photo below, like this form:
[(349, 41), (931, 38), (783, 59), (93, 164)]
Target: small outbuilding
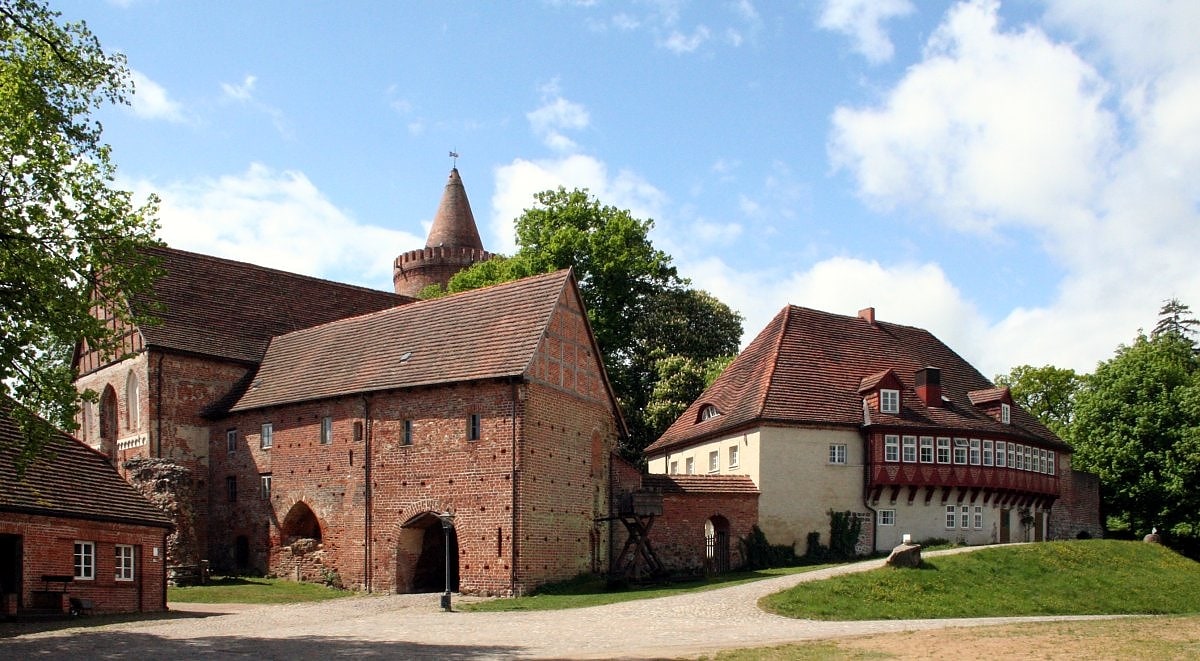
[(74, 535)]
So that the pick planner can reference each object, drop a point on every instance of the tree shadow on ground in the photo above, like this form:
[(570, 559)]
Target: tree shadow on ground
[(12, 629), (130, 645)]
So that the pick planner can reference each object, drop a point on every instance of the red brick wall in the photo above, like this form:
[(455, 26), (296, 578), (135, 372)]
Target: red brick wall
[(48, 546), (1078, 507), (678, 535)]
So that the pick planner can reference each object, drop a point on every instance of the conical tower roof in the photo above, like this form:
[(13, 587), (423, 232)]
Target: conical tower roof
[(454, 224)]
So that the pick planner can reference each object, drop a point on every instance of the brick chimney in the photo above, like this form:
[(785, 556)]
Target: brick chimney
[(868, 314), (929, 386)]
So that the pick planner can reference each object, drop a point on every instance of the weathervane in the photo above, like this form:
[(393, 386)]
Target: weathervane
[(454, 162)]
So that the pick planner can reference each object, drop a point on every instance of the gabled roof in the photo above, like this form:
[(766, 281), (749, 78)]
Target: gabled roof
[(454, 224), (228, 309), (807, 367), (485, 333), (68, 479)]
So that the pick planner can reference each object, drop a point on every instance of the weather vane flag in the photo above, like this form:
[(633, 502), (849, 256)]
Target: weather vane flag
[(454, 157)]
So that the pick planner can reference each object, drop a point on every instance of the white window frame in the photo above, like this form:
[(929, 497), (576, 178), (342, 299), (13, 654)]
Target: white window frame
[(266, 436), (231, 440), (889, 400), (735, 456), (887, 517), (674, 468), (964, 517), (978, 516), (1012, 449), (689, 466), (908, 449), (837, 453), (123, 562), (989, 452), (1029, 458), (1050, 459), (960, 452), (84, 560), (927, 449), (975, 452), (951, 516), (714, 461), (1005, 414), (1001, 454), (943, 450), (264, 486), (891, 447)]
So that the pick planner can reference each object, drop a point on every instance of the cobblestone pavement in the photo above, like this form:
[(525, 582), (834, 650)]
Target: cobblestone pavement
[(412, 627)]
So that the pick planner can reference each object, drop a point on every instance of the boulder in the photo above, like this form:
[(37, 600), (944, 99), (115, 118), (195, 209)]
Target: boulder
[(905, 555)]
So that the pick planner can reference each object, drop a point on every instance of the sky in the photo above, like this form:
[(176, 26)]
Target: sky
[(1019, 178)]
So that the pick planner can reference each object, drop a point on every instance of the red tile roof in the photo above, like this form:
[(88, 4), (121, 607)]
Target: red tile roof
[(228, 309), (699, 483), (68, 479), (480, 334), (806, 368)]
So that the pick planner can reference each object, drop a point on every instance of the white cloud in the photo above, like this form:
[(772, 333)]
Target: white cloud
[(240, 92), (862, 21), (680, 43), (1001, 128), (243, 93), (276, 219), (556, 115), (151, 100)]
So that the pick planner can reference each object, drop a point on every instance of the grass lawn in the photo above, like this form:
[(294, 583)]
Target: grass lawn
[(1093, 577), (584, 592), (238, 590)]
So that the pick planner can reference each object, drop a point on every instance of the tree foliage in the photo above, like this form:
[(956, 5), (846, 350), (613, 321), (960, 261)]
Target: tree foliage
[(66, 234), (655, 332), (1137, 425), (1176, 318), (1047, 392)]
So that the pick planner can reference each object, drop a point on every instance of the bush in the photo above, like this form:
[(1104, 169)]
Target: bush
[(761, 554), (844, 529)]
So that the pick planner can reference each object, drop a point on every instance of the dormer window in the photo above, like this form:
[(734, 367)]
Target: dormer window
[(889, 401), (1005, 413), (708, 412)]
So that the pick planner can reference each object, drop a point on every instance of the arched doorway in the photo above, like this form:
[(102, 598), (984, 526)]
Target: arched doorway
[(300, 523), (108, 422), (421, 555), (716, 544)]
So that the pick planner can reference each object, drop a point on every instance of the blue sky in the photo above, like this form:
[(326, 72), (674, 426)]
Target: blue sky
[(1019, 178)]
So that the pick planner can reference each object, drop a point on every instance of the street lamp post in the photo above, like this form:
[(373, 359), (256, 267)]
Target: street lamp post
[(447, 519)]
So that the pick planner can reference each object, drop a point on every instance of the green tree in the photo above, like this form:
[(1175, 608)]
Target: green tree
[(68, 238), (1176, 318), (1047, 392), (1137, 425), (641, 311)]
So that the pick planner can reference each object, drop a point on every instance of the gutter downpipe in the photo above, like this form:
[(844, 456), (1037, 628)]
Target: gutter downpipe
[(514, 544), (367, 578)]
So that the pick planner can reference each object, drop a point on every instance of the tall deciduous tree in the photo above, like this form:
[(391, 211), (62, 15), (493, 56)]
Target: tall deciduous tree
[(641, 311), (1137, 425), (1047, 392), (68, 238)]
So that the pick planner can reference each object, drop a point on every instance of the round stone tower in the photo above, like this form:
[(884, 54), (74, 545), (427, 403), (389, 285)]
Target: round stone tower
[(452, 246)]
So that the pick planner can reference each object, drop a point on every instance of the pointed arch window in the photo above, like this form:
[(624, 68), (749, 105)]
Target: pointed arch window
[(133, 410)]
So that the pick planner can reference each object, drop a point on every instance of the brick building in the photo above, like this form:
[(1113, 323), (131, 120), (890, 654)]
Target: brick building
[(828, 412), (57, 544)]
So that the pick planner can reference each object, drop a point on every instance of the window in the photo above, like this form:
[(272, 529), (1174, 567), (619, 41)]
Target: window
[(264, 482), (964, 517), (133, 399), (951, 511), (927, 449), (1050, 462), (1028, 458), (123, 562), (674, 468), (474, 423), (1045, 461), (231, 442), (268, 436), (910, 449), (714, 461), (960, 450), (891, 448), (231, 488), (974, 451), (837, 453), (943, 452), (406, 436), (85, 561), (1000, 454), (889, 401), (1012, 449), (326, 430), (887, 517), (989, 453), (1005, 413), (708, 412), (734, 456), (978, 517), (1020, 457), (689, 466)]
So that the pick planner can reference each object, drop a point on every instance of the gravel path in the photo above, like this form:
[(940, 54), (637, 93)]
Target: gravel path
[(412, 627)]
